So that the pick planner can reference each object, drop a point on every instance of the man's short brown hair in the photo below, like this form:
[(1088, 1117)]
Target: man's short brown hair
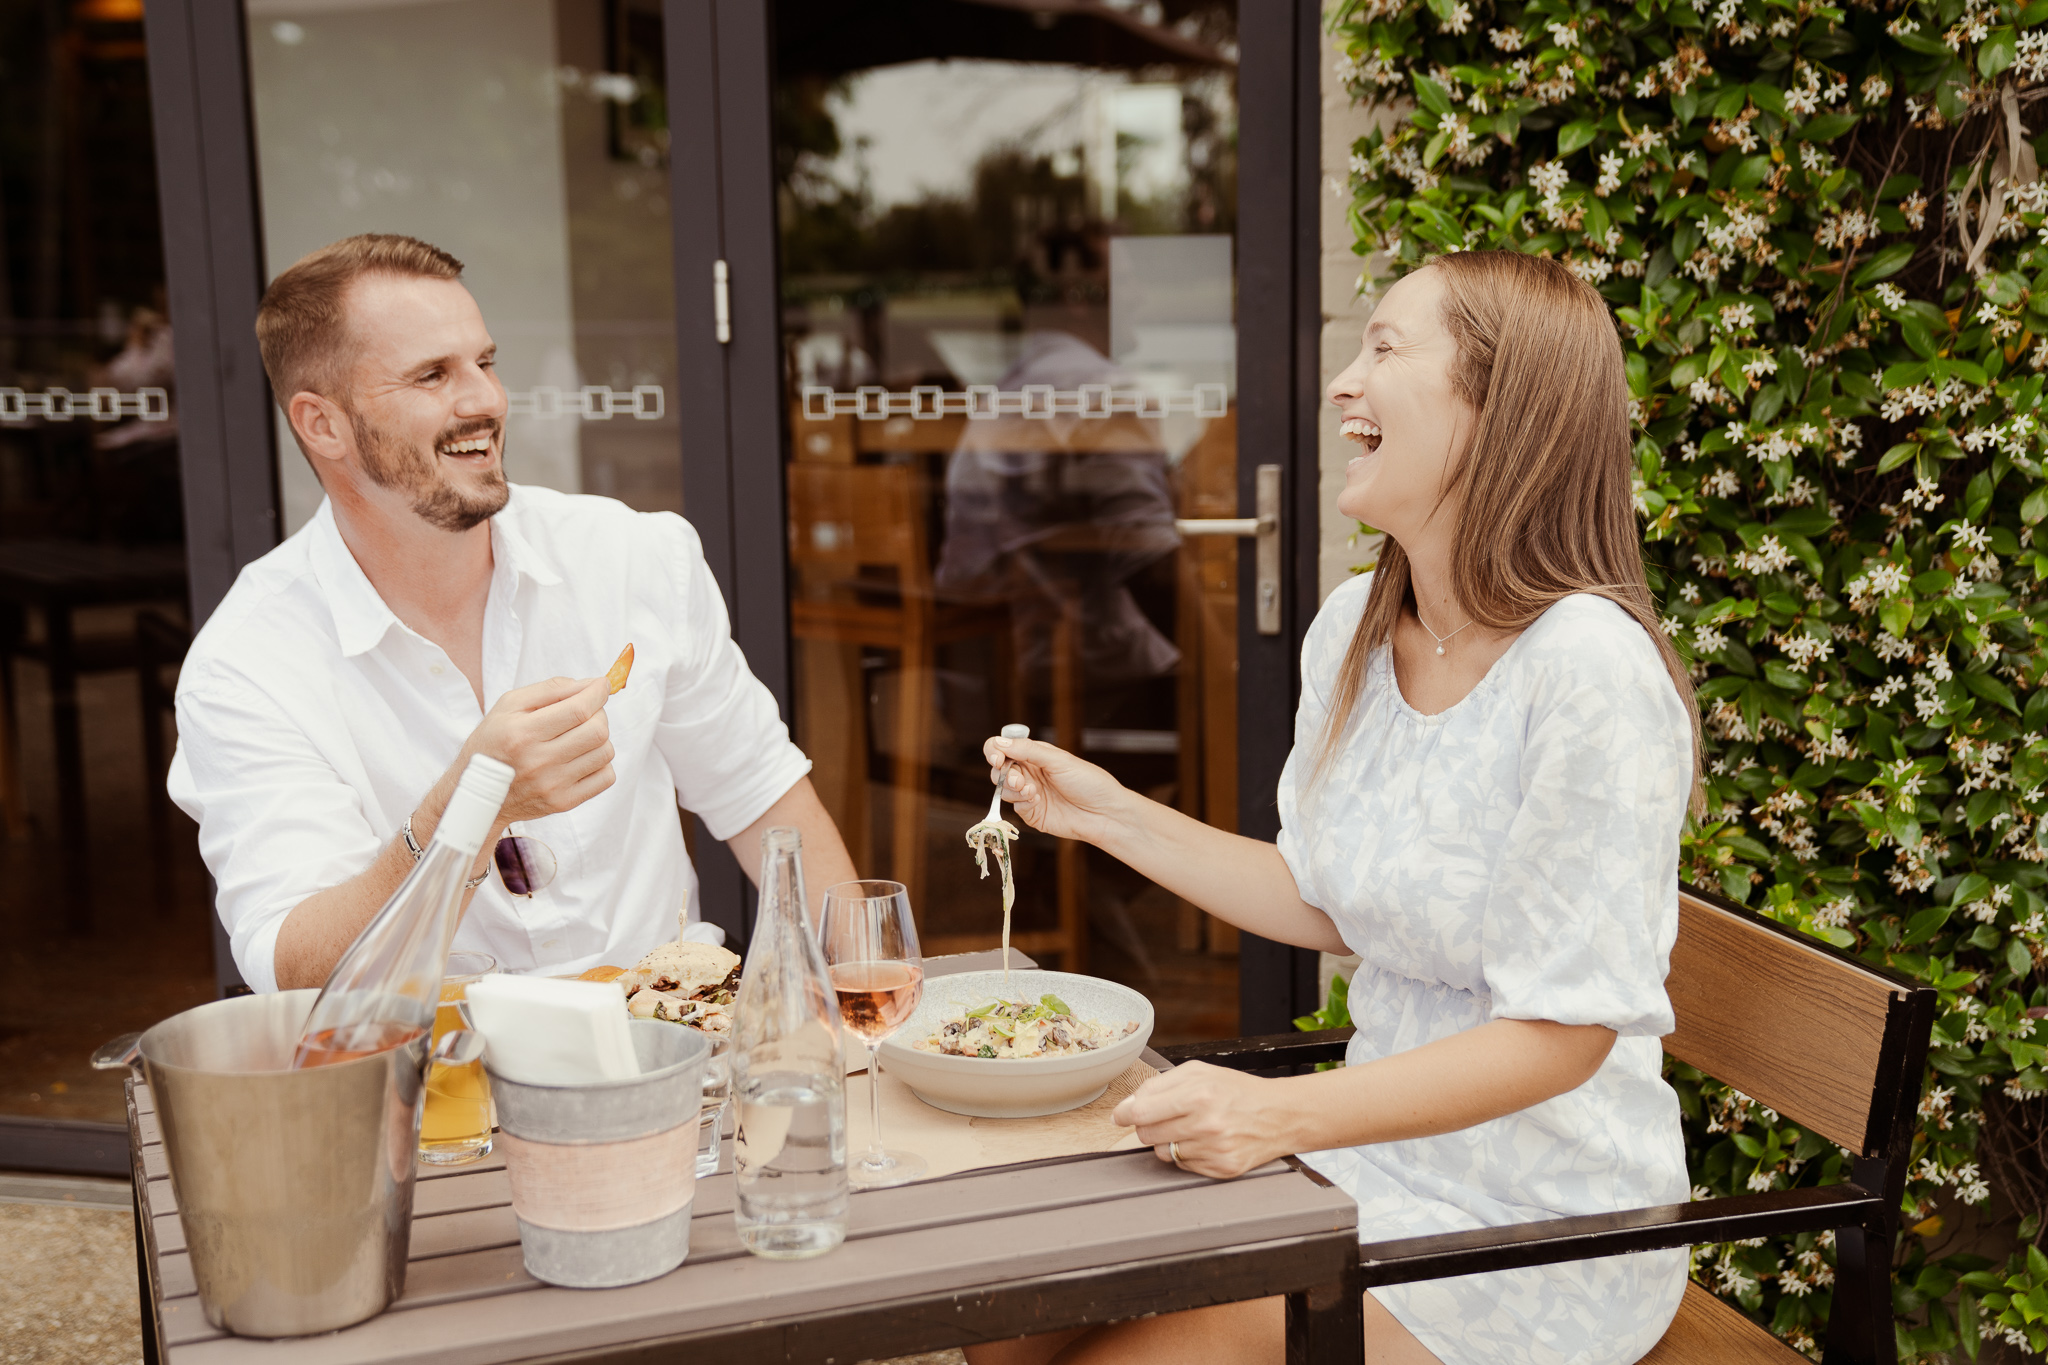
[(302, 324)]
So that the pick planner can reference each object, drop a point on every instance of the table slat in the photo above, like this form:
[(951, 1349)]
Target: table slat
[(452, 1317)]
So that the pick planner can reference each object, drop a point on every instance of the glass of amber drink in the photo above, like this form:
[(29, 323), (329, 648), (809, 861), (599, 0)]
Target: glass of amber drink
[(456, 1126)]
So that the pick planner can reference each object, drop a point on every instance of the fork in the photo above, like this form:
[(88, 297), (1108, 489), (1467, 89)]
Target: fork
[(995, 803)]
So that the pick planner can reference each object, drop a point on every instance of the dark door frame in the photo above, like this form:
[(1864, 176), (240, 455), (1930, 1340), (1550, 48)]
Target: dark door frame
[(726, 47)]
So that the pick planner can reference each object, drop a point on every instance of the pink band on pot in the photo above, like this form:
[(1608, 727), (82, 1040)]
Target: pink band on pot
[(601, 1186)]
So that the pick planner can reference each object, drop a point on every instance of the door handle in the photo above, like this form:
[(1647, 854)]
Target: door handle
[(1265, 529)]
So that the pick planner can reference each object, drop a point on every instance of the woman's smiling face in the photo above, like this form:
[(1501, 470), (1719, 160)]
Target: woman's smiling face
[(1399, 406)]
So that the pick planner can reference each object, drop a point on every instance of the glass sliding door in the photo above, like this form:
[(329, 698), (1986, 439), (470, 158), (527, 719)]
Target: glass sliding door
[(1009, 326), (530, 139), (104, 912)]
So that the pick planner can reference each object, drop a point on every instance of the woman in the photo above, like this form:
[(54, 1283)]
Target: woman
[(1493, 758)]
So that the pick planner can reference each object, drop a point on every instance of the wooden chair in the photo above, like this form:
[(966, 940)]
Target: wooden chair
[(845, 519), (1831, 1043)]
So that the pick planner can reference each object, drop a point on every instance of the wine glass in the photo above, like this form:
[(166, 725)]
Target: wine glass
[(870, 944)]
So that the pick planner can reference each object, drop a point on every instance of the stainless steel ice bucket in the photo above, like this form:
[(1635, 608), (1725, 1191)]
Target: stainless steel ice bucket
[(294, 1187)]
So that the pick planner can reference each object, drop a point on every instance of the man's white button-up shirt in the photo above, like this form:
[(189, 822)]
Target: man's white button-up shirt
[(311, 721)]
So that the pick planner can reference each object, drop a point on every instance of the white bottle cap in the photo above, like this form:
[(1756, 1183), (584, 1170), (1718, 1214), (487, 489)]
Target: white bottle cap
[(474, 807)]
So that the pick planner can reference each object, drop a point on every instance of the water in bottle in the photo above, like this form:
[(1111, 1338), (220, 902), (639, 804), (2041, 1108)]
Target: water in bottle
[(787, 1075)]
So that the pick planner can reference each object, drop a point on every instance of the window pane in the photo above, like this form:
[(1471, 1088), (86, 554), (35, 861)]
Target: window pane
[(527, 137), (105, 925), (1009, 316)]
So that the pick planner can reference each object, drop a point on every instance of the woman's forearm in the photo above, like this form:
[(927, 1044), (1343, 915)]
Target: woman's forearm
[(1242, 881), (1483, 1073)]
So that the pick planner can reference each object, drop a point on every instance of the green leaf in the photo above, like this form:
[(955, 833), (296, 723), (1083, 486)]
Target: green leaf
[(1825, 127), (2035, 505), (1896, 456), (1768, 98), (1885, 264), (1435, 149), (1896, 614), (1432, 96), (1575, 135), (1918, 337), (1751, 172), (1996, 52), (2017, 957), (1926, 924), (1992, 690), (1731, 101)]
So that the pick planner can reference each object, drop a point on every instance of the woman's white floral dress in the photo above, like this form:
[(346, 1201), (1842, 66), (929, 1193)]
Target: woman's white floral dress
[(1514, 857)]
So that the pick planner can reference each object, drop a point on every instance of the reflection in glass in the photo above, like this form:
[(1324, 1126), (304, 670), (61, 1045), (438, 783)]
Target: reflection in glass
[(100, 880), (1009, 323), (529, 138)]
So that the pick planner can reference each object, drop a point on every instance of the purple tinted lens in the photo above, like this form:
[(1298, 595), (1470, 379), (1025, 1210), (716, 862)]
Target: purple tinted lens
[(519, 865)]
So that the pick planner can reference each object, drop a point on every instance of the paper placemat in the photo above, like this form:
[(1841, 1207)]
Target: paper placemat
[(951, 1143)]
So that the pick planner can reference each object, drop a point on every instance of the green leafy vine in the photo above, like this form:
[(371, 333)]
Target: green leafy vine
[(1821, 231)]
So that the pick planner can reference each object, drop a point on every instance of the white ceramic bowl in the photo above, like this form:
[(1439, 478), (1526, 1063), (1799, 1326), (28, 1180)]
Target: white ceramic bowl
[(1016, 1087)]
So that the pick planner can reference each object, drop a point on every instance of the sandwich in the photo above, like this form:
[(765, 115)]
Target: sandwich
[(681, 983)]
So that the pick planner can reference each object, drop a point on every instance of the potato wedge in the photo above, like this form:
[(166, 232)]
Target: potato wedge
[(616, 675)]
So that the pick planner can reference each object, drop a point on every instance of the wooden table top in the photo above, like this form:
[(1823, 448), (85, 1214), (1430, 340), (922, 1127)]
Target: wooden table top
[(984, 1254)]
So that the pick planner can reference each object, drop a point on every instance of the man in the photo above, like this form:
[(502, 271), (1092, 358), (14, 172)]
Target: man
[(431, 611)]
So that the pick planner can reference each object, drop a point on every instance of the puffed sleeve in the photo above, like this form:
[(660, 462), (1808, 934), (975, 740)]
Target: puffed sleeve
[(1583, 909), (720, 732), (277, 823)]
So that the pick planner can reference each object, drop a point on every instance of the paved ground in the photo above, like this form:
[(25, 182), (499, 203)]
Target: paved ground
[(67, 1274)]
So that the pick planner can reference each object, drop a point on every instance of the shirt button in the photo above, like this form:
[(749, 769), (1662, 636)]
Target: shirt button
[(436, 669)]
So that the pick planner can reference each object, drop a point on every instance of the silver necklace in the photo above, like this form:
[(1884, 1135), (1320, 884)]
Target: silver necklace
[(1441, 640)]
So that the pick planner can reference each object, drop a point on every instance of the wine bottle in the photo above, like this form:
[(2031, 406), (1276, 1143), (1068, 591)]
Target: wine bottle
[(384, 991), (789, 1157)]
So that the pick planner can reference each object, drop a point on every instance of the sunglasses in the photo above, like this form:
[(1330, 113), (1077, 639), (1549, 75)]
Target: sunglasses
[(525, 864)]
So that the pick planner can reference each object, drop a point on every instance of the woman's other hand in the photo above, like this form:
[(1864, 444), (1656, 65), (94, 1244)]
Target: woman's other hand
[(1225, 1122), (1055, 792)]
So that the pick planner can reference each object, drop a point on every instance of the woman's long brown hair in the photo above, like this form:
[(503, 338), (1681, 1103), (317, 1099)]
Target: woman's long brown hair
[(1543, 495)]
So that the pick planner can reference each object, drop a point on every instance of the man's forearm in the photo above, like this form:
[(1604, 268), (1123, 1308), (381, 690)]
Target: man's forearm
[(320, 928), (826, 861)]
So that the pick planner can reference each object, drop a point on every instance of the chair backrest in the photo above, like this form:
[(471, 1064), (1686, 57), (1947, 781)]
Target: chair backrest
[(844, 517), (1825, 1040)]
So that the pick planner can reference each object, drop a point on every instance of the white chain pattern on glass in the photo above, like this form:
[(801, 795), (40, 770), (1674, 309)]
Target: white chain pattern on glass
[(96, 405), (985, 402), (592, 403)]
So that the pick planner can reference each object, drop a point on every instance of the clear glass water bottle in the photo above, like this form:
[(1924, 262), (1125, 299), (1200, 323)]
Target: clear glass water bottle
[(384, 991), (787, 1074)]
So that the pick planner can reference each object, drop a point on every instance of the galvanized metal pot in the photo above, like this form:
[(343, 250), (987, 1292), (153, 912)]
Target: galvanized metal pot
[(294, 1187), (603, 1175)]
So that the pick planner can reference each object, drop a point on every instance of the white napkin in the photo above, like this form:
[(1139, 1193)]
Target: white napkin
[(546, 1031)]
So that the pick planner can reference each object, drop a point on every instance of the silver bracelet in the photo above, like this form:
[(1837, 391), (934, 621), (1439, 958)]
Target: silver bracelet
[(412, 846)]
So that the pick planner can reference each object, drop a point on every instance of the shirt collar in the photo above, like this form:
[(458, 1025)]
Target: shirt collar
[(511, 550), (360, 616)]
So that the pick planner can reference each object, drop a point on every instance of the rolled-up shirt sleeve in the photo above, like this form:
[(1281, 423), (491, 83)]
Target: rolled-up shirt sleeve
[(727, 748), (277, 823)]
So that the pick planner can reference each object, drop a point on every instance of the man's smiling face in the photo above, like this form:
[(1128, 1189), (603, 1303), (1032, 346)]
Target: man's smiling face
[(424, 401)]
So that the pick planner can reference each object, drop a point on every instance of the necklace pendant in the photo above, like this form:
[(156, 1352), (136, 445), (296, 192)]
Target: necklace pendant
[(1439, 649)]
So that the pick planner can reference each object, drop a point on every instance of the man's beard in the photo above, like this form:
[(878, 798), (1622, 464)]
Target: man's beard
[(435, 499)]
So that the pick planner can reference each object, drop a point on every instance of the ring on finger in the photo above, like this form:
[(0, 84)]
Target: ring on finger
[(1173, 1154)]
